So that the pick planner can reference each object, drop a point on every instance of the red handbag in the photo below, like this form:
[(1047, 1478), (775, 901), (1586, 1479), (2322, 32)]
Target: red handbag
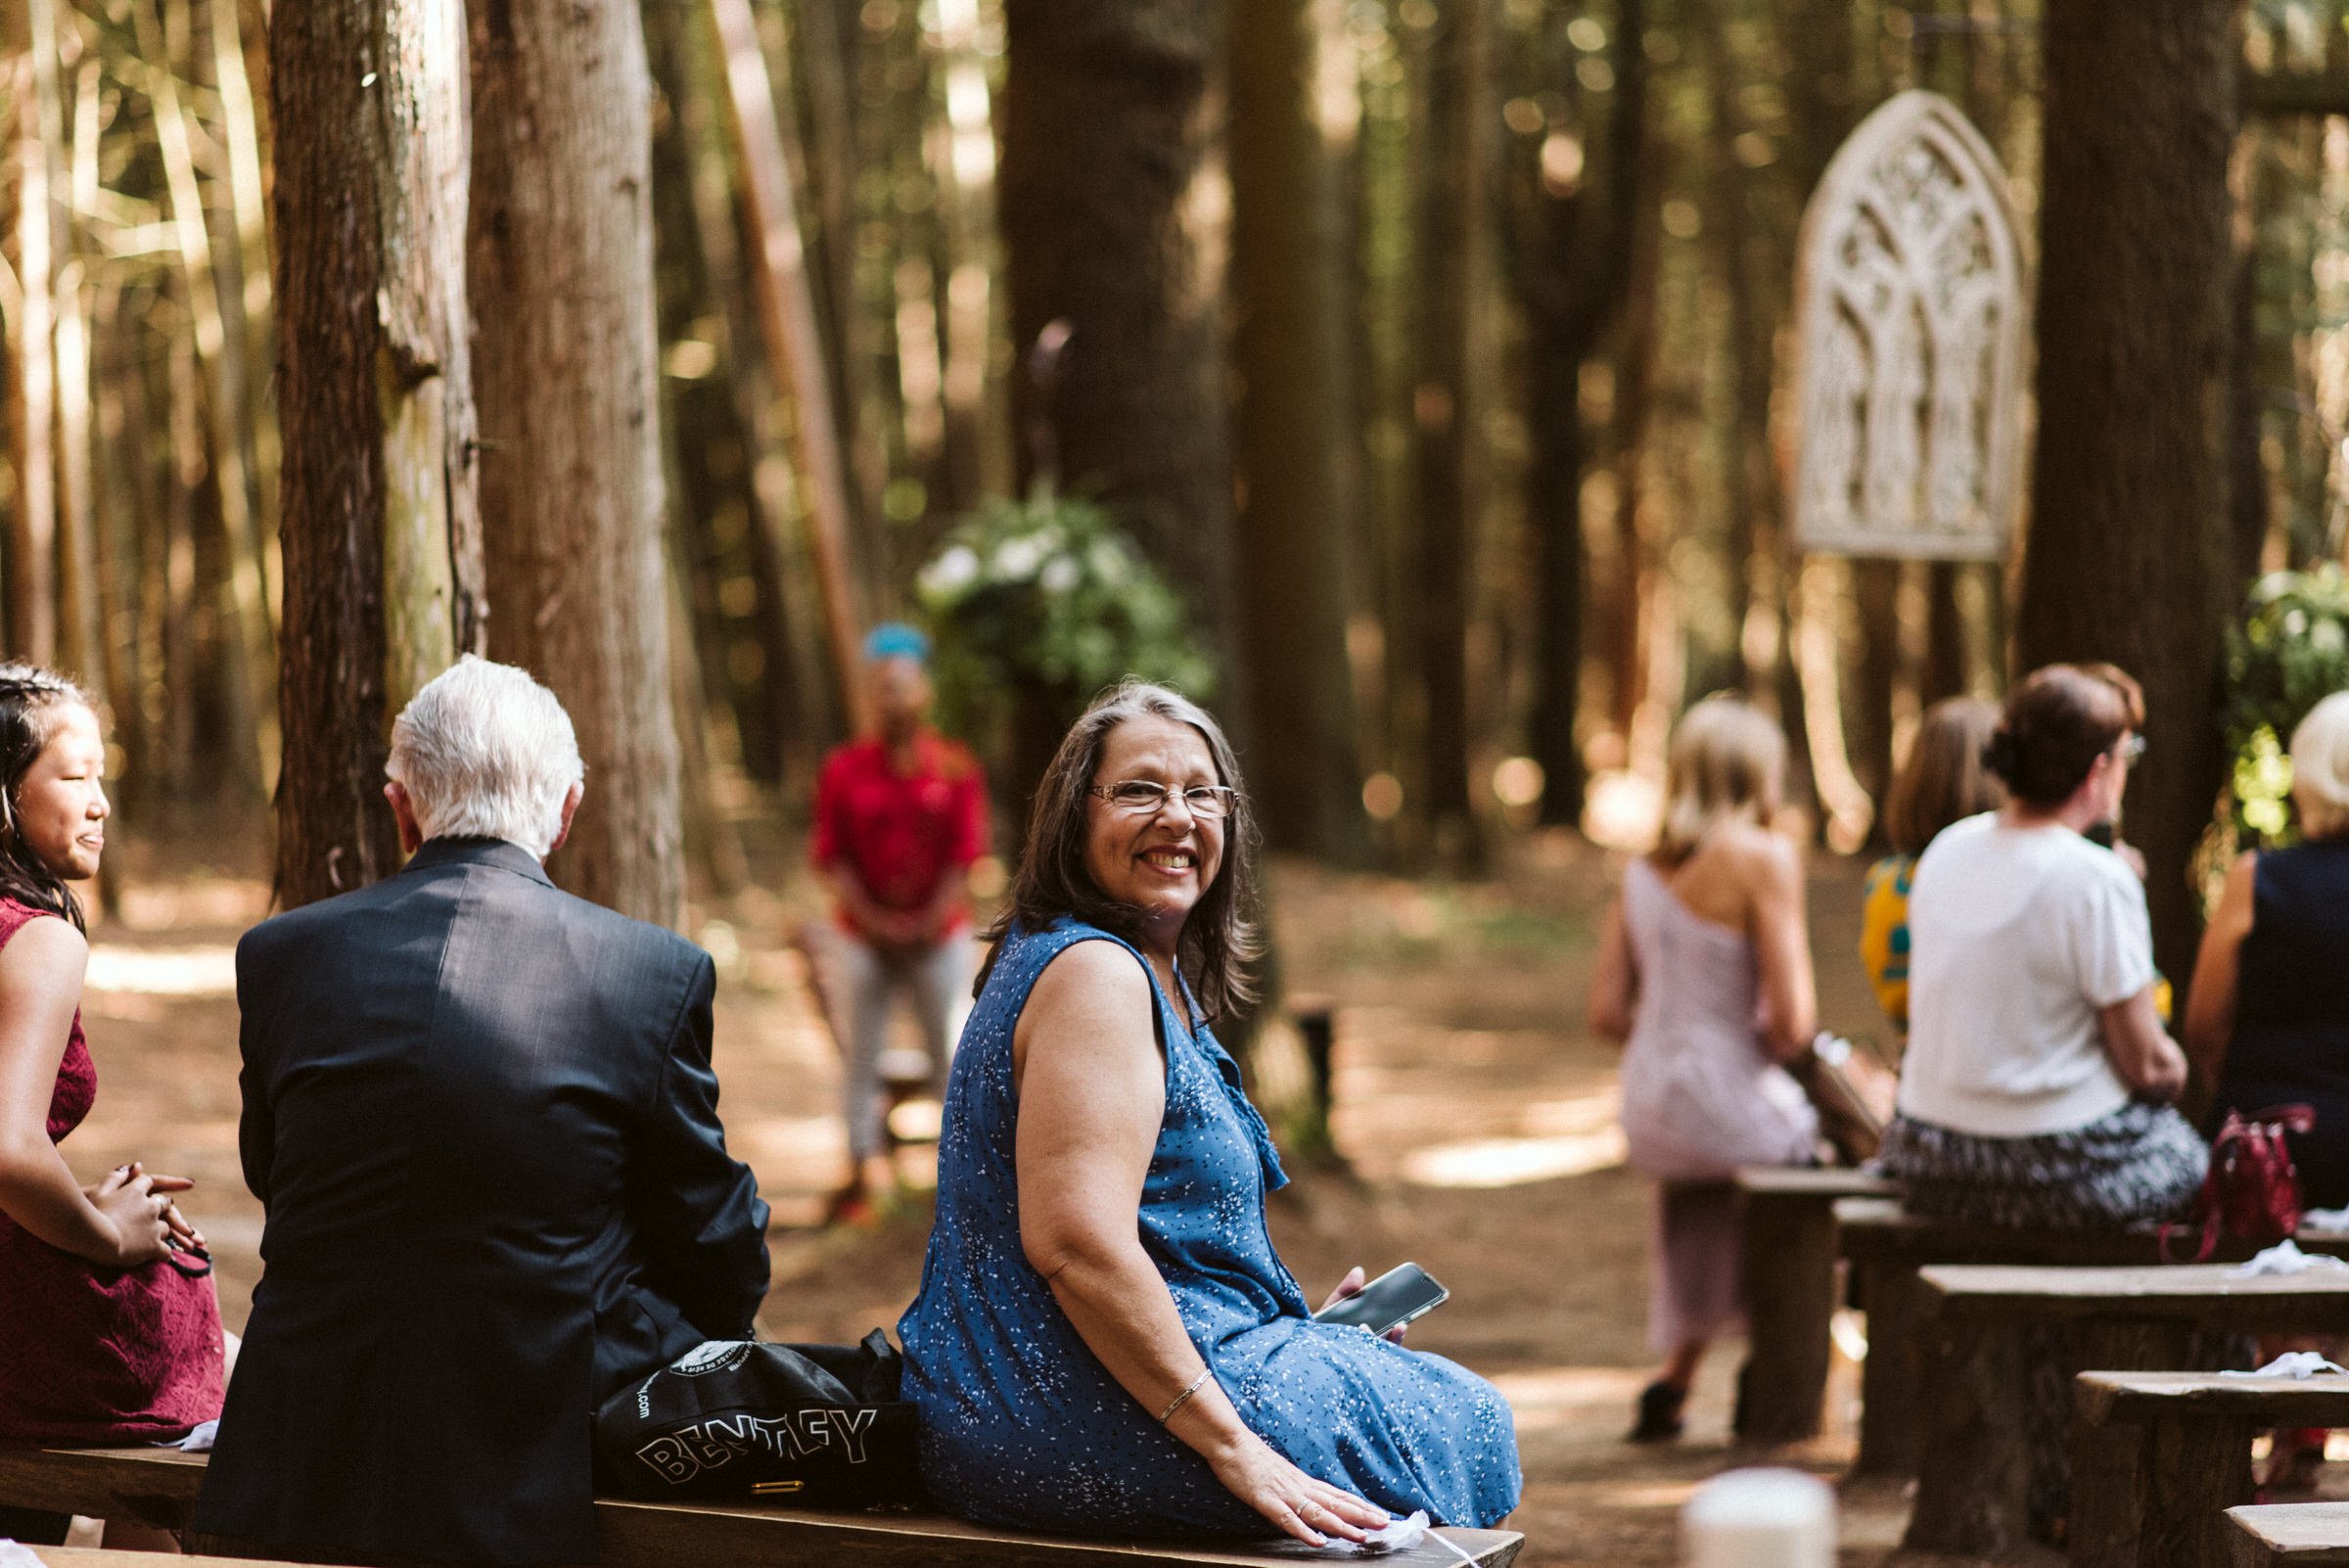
[(2253, 1192)]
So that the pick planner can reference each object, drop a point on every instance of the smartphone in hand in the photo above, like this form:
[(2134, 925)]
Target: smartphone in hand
[(1394, 1298)]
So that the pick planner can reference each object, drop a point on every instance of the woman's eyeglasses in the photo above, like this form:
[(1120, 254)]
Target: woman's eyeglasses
[(1141, 797)]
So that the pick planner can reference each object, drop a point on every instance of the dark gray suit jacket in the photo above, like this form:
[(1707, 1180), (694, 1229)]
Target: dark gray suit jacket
[(481, 1117)]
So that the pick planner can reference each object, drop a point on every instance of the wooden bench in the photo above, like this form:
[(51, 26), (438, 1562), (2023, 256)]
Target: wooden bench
[(2290, 1535), (2158, 1459), (1971, 1499), (86, 1557), (1885, 1245), (157, 1487), (1789, 1228)]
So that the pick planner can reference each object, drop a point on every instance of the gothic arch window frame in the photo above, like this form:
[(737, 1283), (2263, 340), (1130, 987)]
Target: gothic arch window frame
[(1829, 448)]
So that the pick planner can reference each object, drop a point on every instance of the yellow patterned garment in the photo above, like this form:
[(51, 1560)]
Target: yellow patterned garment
[(1884, 940), (1884, 935)]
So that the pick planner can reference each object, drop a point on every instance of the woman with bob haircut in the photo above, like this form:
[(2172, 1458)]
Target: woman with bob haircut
[(1704, 975), (1104, 1339), (1941, 781), (2036, 1085), (2267, 1022)]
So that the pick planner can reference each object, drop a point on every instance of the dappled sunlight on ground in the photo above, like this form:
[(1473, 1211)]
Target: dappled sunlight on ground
[(1476, 1119)]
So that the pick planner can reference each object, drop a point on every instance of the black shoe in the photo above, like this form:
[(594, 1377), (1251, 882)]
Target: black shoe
[(1659, 1413)]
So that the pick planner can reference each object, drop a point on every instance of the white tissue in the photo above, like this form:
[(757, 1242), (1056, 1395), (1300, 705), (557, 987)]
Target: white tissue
[(2284, 1258), (2326, 1220), (1397, 1535), (2296, 1365), (13, 1555), (199, 1441)]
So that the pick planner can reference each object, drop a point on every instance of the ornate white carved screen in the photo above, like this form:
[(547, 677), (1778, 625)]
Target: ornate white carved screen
[(1908, 331)]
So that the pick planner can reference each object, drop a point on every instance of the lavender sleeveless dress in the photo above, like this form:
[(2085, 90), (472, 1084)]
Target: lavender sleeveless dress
[(1701, 1097)]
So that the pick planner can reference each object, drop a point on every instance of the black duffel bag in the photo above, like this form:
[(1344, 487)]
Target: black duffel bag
[(816, 1426)]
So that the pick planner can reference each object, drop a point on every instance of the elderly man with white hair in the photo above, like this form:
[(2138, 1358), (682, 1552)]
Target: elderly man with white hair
[(481, 1117)]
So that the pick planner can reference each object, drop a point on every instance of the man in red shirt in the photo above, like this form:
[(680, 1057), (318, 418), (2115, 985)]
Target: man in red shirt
[(901, 816)]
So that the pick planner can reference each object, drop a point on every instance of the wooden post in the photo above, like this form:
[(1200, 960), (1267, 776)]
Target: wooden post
[(1974, 1397), (787, 320), (1893, 1375), (1790, 1302)]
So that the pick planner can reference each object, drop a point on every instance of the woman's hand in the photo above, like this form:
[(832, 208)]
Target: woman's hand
[(1311, 1510), (1351, 1285), (133, 1210)]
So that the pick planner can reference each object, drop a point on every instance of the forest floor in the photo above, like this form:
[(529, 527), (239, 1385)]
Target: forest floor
[(1474, 1114)]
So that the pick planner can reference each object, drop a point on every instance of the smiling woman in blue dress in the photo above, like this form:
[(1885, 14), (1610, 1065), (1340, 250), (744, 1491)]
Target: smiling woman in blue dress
[(1076, 1369)]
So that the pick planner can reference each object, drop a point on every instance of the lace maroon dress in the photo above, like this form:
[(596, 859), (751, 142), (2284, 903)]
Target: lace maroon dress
[(92, 1355)]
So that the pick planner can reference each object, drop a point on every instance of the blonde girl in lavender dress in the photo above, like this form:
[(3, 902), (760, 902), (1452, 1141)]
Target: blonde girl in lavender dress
[(1704, 975)]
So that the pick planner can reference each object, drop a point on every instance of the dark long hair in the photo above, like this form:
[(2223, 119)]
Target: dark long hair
[(1221, 941), (30, 697)]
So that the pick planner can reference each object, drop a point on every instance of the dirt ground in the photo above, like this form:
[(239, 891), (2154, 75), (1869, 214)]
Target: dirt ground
[(1474, 1115)]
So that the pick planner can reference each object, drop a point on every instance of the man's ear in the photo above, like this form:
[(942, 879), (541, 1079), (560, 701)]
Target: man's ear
[(571, 809), (403, 811)]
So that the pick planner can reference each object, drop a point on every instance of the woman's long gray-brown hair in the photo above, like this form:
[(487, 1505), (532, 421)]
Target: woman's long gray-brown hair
[(30, 697), (1221, 941)]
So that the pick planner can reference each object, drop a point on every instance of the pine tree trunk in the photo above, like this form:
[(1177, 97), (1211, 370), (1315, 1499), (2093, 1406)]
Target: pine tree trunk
[(377, 483), (1455, 225), (1295, 449), (2128, 557), (32, 45), (787, 323), (560, 273), (1109, 115), (1577, 265)]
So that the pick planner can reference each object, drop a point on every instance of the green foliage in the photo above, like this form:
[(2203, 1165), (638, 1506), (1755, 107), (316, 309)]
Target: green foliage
[(2291, 651), (1046, 598)]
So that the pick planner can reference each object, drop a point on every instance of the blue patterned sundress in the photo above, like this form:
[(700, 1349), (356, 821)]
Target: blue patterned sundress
[(1022, 1426)]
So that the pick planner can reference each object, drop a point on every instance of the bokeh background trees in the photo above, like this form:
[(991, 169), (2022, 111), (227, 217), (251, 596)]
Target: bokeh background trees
[(1431, 360)]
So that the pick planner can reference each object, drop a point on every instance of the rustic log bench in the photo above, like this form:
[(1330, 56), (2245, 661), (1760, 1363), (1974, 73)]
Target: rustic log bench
[(2158, 1459), (157, 1487), (1885, 1245), (2288, 1535), (1789, 1228), (88, 1558), (1971, 1499)]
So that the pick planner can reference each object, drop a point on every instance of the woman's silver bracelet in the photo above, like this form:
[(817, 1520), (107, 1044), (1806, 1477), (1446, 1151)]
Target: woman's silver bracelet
[(1184, 1398)]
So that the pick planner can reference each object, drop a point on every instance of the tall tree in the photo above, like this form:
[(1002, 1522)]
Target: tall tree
[(380, 533), (560, 273), (1294, 448), (787, 320), (32, 522), (1577, 211), (1454, 472), (2128, 556), (1113, 222)]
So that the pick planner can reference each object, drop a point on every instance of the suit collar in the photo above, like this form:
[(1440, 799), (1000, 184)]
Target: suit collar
[(498, 852)]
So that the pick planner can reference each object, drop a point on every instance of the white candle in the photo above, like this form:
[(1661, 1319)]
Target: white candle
[(1760, 1519)]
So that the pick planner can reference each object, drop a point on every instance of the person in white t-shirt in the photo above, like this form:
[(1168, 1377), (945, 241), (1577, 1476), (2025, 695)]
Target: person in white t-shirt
[(2039, 1079)]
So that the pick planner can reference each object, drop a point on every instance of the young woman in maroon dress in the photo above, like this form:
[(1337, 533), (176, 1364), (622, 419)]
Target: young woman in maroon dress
[(112, 1330)]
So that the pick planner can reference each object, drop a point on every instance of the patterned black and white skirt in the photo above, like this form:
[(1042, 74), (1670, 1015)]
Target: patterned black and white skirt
[(2141, 1163)]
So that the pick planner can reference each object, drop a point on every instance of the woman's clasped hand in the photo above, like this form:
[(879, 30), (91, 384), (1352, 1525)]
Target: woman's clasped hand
[(146, 1223)]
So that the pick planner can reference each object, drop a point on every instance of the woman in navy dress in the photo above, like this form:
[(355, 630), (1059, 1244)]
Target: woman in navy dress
[(1074, 1369), (2267, 1022)]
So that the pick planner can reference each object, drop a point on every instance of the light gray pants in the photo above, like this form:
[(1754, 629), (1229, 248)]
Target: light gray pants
[(863, 981)]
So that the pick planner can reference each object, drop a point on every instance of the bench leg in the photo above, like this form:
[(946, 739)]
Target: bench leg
[(2150, 1495), (1970, 1501), (1789, 1300), (1892, 1376)]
